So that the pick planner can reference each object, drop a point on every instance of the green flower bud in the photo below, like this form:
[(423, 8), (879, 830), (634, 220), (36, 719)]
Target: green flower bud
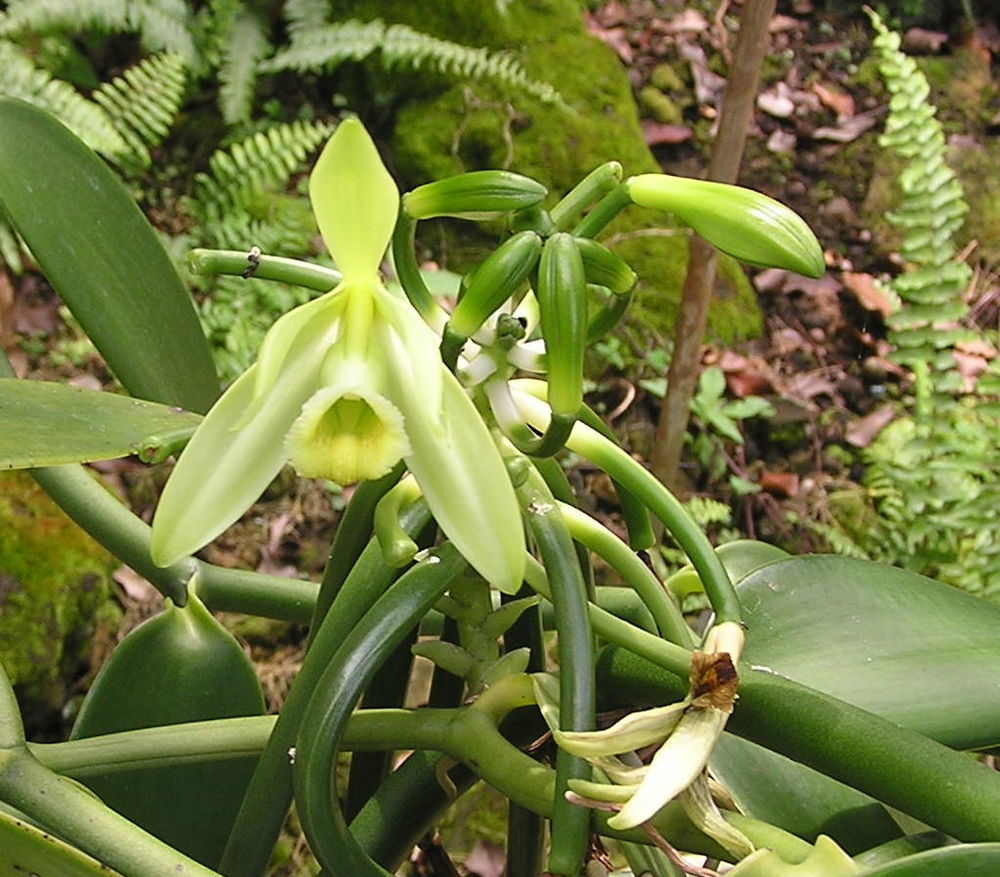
[(604, 268), (475, 195), (494, 281), (562, 301), (745, 224)]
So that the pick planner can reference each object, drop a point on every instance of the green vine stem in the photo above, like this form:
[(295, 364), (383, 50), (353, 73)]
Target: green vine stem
[(84, 821), (408, 272), (335, 695), (270, 792), (575, 647), (263, 267), (660, 501), (667, 615)]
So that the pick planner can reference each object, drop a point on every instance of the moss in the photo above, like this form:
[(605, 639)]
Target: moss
[(53, 581)]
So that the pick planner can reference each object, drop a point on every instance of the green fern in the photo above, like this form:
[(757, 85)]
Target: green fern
[(143, 102), (19, 77), (267, 158), (931, 211), (243, 43), (325, 47), (162, 25)]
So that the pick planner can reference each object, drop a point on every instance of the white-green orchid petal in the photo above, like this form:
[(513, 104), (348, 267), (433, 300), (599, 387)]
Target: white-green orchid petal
[(464, 480), (355, 201), (223, 470), (632, 732), (676, 764), (287, 333)]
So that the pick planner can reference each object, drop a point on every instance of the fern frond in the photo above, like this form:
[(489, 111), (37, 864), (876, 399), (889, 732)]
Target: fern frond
[(323, 48), (162, 25), (306, 15), (142, 102), (19, 77), (244, 44), (267, 158)]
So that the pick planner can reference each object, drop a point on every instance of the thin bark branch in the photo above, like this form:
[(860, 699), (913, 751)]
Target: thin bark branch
[(727, 153)]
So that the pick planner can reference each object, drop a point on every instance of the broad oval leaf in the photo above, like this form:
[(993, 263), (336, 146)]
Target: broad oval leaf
[(49, 424), (103, 258), (912, 650)]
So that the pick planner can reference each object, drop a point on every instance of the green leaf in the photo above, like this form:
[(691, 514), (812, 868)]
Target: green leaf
[(49, 424), (967, 860), (25, 849), (103, 258), (910, 649)]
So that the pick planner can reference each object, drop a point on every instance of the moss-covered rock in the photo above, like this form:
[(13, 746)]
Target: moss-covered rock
[(54, 580), (475, 125)]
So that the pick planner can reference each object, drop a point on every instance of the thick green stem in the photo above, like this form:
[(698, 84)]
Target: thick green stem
[(577, 698), (667, 615), (81, 819), (263, 267), (270, 792), (333, 700), (663, 504)]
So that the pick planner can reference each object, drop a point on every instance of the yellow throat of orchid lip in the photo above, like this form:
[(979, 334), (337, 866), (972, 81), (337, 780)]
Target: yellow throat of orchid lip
[(347, 436)]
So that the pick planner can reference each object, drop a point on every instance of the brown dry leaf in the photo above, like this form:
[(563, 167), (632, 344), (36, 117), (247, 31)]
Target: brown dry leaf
[(972, 358), (777, 101), (920, 41), (841, 103), (745, 376), (781, 484), (659, 133), (780, 23), (867, 292), (688, 21), (862, 431), (850, 129), (707, 84), (615, 37), (135, 586)]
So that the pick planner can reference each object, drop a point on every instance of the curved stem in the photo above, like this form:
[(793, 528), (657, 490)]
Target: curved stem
[(669, 620), (11, 726), (293, 271), (408, 271), (335, 695), (270, 792), (660, 501)]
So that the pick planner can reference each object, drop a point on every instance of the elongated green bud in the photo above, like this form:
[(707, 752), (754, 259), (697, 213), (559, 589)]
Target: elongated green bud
[(562, 303), (475, 195), (604, 268), (591, 188), (496, 280), (745, 224)]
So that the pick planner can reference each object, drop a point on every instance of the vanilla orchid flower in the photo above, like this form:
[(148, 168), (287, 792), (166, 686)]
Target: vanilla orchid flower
[(344, 387)]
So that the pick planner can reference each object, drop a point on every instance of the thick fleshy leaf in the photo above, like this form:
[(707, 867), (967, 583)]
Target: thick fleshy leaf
[(965, 860), (104, 259), (25, 849), (355, 201), (776, 789), (912, 650), (228, 463), (49, 424)]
